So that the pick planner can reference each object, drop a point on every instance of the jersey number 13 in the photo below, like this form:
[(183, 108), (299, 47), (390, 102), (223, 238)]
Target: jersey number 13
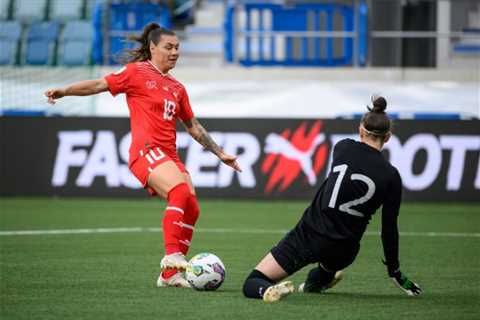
[(347, 206)]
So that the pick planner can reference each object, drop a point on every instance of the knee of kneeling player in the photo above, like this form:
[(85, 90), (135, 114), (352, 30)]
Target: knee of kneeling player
[(255, 284), (247, 284)]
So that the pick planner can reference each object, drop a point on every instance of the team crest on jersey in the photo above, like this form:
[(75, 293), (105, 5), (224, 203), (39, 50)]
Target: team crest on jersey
[(151, 84)]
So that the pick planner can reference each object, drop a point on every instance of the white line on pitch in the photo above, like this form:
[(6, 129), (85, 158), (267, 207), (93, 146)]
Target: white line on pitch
[(210, 230)]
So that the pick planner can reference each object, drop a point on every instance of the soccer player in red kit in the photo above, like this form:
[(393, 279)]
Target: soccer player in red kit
[(155, 100)]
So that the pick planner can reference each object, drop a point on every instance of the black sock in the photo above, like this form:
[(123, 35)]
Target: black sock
[(317, 279), (256, 284)]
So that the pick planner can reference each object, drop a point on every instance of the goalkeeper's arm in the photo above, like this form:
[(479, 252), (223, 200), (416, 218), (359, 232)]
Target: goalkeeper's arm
[(390, 211)]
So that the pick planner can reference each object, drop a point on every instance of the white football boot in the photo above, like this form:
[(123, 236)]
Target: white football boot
[(336, 279), (177, 280), (174, 261), (278, 291)]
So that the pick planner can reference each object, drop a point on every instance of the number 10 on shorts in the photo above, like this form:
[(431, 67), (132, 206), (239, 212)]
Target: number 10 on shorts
[(153, 156)]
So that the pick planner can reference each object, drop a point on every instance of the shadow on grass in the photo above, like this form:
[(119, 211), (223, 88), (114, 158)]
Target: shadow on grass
[(339, 297)]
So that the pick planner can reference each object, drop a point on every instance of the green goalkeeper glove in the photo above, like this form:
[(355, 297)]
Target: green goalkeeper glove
[(405, 284)]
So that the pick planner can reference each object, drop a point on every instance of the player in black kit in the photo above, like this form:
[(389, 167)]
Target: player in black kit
[(329, 232)]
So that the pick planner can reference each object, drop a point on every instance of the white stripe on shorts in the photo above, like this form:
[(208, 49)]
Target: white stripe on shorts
[(174, 209)]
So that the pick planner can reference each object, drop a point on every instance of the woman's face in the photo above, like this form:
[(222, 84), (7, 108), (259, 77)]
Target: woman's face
[(165, 54)]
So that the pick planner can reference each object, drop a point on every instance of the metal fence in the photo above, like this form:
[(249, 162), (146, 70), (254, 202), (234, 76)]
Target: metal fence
[(356, 32), (298, 35)]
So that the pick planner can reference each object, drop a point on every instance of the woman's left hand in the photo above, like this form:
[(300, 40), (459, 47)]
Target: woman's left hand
[(230, 161)]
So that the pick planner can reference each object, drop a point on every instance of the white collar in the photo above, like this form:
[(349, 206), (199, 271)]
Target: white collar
[(163, 74)]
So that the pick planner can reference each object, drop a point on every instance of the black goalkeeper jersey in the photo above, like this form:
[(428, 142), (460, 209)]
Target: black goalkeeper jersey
[(360, 181)]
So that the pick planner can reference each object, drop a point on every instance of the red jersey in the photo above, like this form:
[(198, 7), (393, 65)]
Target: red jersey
[(155, 101)]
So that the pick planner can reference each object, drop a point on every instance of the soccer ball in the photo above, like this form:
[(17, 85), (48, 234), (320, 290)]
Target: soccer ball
[(205, 272)]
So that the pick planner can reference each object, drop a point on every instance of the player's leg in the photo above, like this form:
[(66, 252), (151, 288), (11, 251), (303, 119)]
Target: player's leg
[(286, 258), (190, 217), (167, 180), (320, 279), (160, 176), (333, 257), (262, 281)]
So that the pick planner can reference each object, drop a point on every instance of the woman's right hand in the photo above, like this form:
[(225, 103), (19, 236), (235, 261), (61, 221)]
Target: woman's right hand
[(53, 94)]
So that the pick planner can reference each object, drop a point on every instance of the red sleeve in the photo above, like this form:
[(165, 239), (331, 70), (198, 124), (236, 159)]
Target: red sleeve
[(186, 112), (119, 81)]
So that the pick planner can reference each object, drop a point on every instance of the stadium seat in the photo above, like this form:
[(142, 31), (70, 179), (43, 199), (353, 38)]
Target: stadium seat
[(62, 10), (40, 43), (10, 32), (76, 44), (28, 10), (4, 9), (7, 54)]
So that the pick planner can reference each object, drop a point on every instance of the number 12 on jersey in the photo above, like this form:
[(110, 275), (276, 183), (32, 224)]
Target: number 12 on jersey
[(347, 206)]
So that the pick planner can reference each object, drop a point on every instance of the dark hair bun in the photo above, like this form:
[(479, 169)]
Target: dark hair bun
[(379, 104)]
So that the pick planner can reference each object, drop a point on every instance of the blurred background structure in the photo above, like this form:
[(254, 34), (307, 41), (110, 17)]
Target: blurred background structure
[(423, 54)]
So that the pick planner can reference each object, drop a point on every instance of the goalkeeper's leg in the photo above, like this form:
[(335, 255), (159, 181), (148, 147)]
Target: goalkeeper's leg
[(262, 282), (320, 279)]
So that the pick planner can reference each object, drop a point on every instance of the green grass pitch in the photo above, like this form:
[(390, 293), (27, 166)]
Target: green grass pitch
[(111, 275)]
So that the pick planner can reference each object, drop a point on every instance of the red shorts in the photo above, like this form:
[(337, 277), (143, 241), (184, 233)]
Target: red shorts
[(148, 160)]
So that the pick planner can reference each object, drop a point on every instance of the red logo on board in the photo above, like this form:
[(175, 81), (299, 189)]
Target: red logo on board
[(293, 154)]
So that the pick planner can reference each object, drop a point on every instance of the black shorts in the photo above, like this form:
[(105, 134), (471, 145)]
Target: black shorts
[(301, 247)]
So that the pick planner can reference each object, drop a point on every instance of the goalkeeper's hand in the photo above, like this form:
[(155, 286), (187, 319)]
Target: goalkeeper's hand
[(405, 284)]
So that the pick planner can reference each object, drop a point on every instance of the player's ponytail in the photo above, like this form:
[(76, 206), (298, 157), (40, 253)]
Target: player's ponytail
[(152, 32), (376, 122)]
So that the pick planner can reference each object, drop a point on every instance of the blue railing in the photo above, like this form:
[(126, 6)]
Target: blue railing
[(299, 35)]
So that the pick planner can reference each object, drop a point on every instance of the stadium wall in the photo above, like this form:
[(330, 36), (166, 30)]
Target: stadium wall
[(281, 158)]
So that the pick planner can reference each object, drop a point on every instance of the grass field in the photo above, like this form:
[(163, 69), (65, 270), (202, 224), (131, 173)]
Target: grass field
[(110, 273)]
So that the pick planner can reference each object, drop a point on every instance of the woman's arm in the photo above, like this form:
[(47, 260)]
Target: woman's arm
[(200, 134), (390, 211), (81, 88)]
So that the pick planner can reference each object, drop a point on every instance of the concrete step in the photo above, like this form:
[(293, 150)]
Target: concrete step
[(193, 47), (210, 15)]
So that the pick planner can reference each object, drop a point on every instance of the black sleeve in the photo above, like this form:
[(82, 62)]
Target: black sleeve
[(390, 211), (341, 145)]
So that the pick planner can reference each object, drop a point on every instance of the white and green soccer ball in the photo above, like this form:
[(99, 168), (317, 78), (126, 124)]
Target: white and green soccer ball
[(205, 272)]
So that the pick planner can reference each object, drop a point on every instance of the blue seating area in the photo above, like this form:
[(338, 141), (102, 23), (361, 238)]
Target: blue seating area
[(75, 46), (61, 10), (10, 33), (45, 32), (71, 32), (40, 43), (27, 11)]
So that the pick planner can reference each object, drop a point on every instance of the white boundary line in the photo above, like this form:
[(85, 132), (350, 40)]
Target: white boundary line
[(218, 230)]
